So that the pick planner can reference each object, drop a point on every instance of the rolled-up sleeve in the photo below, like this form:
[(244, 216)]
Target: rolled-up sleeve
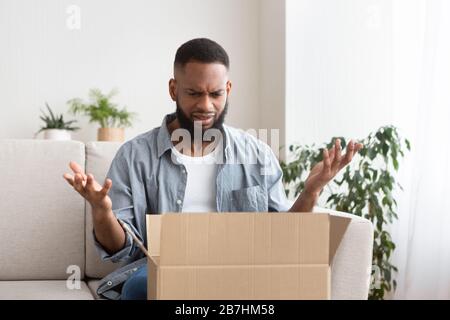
[(121, 255), (123, 208)]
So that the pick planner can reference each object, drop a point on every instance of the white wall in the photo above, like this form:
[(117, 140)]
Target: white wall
[(338, 68), (312, 69), (272, 70), (125, 44)]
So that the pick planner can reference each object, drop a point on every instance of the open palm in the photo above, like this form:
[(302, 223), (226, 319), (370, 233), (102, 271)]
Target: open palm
[(89, 188), (333, 161)]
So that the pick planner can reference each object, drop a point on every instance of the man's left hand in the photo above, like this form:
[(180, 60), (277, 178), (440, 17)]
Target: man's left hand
[(333, 161)]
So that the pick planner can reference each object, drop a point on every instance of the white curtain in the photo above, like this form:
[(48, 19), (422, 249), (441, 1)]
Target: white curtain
[(421, 46), (355, 65)]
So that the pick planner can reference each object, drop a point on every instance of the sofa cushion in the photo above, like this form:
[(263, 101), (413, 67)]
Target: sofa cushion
[(98, 159), (93, 285), (41, 216), (43, 290)]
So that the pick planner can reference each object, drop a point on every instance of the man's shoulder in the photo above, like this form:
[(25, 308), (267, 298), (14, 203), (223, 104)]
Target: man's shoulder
[(145, 137), (143, 143)]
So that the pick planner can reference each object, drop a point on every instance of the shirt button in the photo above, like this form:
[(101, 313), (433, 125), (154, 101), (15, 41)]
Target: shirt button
[(109, 283), (178, 201), (184, 171)]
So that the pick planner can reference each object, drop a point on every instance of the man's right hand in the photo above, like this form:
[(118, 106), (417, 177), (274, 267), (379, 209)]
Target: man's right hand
[(107, 229), (90, 189)]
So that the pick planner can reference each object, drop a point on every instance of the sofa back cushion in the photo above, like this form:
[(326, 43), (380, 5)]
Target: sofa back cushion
[(98, 159), (41, 216)]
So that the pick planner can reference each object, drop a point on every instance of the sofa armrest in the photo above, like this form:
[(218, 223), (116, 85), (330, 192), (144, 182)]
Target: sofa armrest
[(352, 265)]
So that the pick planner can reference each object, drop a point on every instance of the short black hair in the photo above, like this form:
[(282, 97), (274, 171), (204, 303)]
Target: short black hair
[(201, 50)]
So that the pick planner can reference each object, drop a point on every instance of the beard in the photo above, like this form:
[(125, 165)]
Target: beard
[(187, 122)]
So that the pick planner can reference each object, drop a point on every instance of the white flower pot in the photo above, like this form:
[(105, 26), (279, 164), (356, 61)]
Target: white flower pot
[(57, 134)]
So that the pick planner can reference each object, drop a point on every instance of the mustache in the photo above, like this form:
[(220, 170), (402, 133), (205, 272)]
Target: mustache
[(187, 120)]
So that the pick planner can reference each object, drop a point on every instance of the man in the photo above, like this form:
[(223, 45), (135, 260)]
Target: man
[(150, 174)]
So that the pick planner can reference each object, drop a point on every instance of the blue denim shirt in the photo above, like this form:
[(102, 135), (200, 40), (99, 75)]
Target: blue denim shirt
[(146, 179)]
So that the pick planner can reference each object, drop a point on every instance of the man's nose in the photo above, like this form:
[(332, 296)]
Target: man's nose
[(205, 104)]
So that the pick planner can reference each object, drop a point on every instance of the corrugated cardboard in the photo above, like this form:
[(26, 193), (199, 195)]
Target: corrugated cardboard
[(242, 255)]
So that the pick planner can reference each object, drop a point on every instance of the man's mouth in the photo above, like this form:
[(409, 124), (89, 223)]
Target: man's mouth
[(206, 119)]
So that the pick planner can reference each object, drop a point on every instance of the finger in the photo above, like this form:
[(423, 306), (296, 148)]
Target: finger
[(83, 180), (350, 152), (78, 181), (68, 178), (78, 185), (90, 182), (77, 169), (326, 160), (338, 155), (338, 148), (332, 153), (106, 187), (358, 147)]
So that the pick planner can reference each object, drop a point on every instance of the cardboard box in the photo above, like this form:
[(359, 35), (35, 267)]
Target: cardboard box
[(233, 256)]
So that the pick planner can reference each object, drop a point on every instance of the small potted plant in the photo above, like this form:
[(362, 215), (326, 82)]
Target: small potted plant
[(55, 127), (100, 109)]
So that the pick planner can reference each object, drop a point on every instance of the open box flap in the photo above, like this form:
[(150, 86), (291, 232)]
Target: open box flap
[(338, 227), (153, 233)]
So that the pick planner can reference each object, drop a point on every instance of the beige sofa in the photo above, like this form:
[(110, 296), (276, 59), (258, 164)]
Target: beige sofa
[(46, 228)]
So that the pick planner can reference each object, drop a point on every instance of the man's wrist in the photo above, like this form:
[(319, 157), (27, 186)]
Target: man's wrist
[(306, 201), (100, 215), (310, 193)]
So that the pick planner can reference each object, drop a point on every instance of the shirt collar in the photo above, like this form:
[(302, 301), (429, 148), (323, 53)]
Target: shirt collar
[(163, 140)]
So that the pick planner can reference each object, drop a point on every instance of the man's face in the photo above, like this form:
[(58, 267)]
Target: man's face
[(200, 91)]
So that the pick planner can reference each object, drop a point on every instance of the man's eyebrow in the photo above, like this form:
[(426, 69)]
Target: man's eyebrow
[(199, 91)]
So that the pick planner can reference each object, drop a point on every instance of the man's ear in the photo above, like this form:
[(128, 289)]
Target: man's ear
[(173, 89), (228, 87)]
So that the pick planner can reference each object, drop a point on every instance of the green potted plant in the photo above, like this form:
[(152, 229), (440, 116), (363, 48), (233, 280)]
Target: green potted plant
[(55, 128), (365, 189), (102, 110)]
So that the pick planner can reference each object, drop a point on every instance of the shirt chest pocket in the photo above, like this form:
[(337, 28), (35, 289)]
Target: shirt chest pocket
[(249, 199)]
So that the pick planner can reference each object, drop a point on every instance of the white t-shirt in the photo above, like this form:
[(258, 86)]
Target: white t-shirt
[(200, 194)]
